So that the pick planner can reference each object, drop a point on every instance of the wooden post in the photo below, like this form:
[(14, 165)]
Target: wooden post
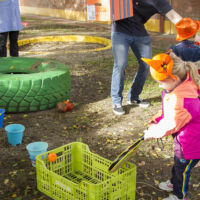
[(162, 19)]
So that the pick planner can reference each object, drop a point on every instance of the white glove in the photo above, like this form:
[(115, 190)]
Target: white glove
[(153, 132), (173, 16), (147, 135)]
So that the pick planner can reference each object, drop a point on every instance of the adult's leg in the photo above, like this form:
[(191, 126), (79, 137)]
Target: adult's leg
[(181, 175), (141, 47), (14, 50), (120, 47), (3, 42)]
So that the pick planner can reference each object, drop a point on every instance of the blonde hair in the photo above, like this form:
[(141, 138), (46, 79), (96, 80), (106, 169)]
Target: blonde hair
[(180, 69)]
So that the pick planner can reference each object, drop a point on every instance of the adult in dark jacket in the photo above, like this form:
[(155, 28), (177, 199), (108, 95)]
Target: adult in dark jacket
[(131, 32)]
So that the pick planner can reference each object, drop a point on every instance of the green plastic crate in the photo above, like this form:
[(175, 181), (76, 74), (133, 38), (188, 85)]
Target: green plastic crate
[(79, 174)]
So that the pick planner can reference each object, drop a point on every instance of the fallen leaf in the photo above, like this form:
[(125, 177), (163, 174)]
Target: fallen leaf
[(75, 126), (108, 140), (31, 173), (14, 195), (156, 182), (195, 185), (13, 173), (142, 163), (6, 181)]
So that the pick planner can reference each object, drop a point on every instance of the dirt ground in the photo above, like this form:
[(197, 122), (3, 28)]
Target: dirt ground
[(91, 121)]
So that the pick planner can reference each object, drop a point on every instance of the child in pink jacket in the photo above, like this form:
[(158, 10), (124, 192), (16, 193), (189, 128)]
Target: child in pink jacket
[(180, 117)]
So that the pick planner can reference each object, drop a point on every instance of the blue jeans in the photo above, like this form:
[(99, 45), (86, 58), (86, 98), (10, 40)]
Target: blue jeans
[(141, 47)]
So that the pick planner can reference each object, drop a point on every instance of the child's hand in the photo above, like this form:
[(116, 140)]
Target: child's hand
[(147, 135), (150, 123), (155, 118)]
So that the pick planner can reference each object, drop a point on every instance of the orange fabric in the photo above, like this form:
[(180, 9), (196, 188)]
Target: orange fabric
[(117, 11), (121, 10), (180, 91), (109, 10), (186, 28)]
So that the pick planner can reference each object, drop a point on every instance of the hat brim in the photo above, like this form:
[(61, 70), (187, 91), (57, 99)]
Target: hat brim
[(181, 38)]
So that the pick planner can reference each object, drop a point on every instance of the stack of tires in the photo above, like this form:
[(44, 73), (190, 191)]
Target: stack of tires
[(32, 84)]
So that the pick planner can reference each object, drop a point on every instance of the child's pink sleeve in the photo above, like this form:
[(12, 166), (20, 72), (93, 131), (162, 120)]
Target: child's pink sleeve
[(159, 118), (176, 117)]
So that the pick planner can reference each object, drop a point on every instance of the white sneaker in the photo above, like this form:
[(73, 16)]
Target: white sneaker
[(166, 186), (172, 197)]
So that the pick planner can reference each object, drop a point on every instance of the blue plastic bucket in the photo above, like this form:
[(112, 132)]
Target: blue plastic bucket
[(35, 149), (2, 111), (15, 133)]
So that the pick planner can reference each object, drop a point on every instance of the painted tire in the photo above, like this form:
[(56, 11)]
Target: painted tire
[(32, 84)]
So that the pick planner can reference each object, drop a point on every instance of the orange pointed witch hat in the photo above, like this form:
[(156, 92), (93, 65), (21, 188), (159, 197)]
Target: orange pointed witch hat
[(186, 28), (160, 66)]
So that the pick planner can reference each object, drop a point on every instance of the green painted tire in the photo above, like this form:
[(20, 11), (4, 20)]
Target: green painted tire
[(32, 84)]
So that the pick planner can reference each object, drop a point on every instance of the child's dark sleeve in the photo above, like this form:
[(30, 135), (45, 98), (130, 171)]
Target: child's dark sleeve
[(191, 54)]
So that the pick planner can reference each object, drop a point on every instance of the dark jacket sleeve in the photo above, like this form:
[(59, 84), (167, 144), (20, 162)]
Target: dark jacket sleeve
[(162, 6)]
